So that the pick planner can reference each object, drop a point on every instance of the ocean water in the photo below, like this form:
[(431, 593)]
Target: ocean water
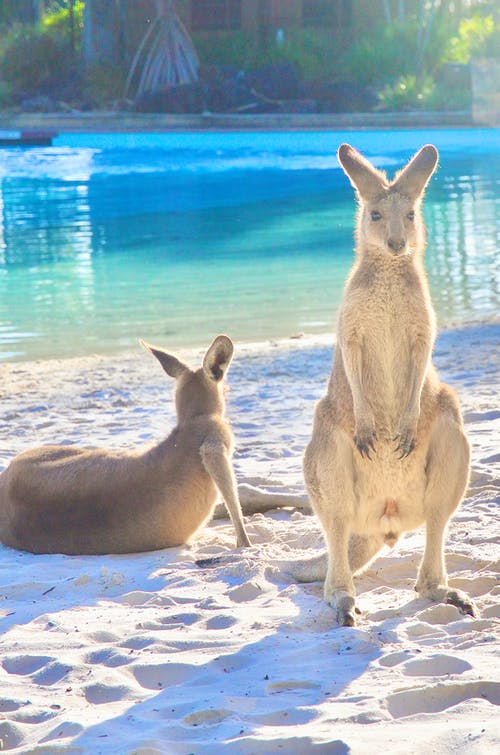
[(106, 238)]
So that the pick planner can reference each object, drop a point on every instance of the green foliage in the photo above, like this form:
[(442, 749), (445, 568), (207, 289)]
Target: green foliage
[(446, 97), (404, 62), (474, 38), (226, 49), (57, 24), (411, 93), (392, 51), (313, 53), (31, 61), (38, 59), (408, 93)]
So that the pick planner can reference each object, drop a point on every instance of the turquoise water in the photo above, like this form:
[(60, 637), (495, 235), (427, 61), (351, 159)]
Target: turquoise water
[(174, 238)]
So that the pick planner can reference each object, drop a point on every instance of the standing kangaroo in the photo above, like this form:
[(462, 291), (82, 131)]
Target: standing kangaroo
[(62, 499), (388, 450)]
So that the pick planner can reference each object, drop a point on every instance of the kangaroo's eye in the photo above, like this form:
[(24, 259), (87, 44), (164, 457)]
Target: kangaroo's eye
[(376, 215), (411, 215)]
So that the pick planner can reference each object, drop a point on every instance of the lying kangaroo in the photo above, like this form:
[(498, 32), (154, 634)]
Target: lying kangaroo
[(388, 450), (62, 499)]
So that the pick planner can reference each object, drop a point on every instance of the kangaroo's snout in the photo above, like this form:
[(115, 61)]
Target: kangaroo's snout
[(396, 244)]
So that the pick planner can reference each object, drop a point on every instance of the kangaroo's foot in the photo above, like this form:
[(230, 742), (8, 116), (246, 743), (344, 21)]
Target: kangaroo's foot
[(442, 594), (344, 605), (242, 540)]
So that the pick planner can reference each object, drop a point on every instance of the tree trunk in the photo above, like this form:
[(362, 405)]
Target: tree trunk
[(101, 33)]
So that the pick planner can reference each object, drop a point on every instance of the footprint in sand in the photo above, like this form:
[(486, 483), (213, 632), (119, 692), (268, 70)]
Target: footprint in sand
[(25, 664), (158, 676), (108, 657), (433, 699), (283, 717), (62, 731), (102, 636), (51, 673), (475, 586), (8, 706), (135, 598), (11, 736), (31, 714), (439, 614), (492, 612), (97, 694), (209, 717), (230, 662), (138, 642), (246, 592), (394, 659), (436, 665), (221, 622), (185, 619)]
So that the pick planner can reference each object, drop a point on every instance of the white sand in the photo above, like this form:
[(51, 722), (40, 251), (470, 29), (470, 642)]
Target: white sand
[(150, 653)]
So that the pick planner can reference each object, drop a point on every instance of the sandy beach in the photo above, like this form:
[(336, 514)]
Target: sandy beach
[(150, 653)]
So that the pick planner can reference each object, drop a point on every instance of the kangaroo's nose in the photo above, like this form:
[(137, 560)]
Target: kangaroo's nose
[(396, 244)]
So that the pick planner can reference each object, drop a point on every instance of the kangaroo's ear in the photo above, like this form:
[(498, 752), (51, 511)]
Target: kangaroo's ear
[(218, 357), (172, 366), (366, 179), (414, 177)]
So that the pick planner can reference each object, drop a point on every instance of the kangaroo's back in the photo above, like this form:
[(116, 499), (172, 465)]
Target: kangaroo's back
[(78, 500)]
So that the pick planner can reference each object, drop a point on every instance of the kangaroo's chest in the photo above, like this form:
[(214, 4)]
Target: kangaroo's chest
[(385, 322)]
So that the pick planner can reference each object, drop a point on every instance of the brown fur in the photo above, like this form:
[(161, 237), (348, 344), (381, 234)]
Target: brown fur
[(63, 499), (388, 450)]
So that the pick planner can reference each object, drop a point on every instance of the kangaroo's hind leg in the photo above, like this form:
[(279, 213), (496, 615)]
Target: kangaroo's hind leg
[(328, 473), (447, 477)]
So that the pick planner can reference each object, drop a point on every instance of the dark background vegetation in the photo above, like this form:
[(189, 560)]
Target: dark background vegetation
[(331, 56)]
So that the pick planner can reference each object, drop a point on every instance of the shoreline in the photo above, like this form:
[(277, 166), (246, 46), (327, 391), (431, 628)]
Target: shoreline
[(242, 347), (125, 121)]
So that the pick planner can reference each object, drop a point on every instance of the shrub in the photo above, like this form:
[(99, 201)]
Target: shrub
[(311, 53), (393, 51), (57, 24), (31, 61), (234, 49), (38, 59), (476, 35), (408, 93)]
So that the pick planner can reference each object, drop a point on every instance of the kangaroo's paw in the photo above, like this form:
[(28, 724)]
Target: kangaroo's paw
[(344, 606), (405, 442), (462, 601), (442, 594), (364, 434), (364, 440)]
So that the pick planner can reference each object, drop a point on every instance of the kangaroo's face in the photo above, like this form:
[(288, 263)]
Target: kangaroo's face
[(390, 219), (392, 223)]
